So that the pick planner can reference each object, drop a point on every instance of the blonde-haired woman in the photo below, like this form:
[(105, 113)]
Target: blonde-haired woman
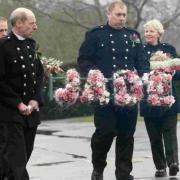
[(161, 122)]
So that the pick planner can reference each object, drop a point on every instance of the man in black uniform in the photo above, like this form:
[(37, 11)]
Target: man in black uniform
[(3, 27), (109, 48), (21, 75), (3, 167)]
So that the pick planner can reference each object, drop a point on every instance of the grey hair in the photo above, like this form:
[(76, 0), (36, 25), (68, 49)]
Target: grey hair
[(19, 14)]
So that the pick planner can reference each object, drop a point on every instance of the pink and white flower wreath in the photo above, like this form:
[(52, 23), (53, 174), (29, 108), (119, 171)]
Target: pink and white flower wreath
[(159, 88), (68, 96), (95, 89), (128, 88)]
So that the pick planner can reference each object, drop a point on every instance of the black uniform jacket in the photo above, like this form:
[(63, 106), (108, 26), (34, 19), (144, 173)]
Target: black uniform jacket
[(157, 111), (21, 76), (109, 50)]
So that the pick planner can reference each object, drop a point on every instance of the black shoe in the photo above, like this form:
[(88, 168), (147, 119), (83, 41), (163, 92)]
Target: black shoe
[(131, 177), (161, 173), (3, 177), (96, 175), (173, 169)]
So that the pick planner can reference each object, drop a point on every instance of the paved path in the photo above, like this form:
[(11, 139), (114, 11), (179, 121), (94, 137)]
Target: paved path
[(62, 152)]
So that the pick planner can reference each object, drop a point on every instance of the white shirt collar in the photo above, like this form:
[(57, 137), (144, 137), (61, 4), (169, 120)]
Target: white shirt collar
[(19, 37)]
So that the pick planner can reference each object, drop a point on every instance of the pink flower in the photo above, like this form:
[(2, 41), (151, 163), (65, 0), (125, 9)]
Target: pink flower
[(58, 95), (72, 74), (169, 100), (127, 88), (153, 99)]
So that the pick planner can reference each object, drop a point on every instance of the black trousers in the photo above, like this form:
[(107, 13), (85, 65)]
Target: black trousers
[(163, 138), (111, 122), (3, 157), (19, 145)]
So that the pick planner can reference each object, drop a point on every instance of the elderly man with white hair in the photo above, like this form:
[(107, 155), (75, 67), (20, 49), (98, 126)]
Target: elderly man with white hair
[(21, 75)]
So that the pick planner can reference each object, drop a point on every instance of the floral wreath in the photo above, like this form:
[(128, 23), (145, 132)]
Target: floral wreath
[(68, 96), (95, 89), (161, 60), (128, 88), (159, 88)]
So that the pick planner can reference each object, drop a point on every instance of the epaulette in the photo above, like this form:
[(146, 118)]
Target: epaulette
[(4, 39), (168, 46), (131, 30), (165, 44), (31, 39), (96, 28)]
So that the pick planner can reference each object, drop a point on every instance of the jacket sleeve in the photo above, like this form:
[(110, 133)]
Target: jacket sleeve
[(174, 55), (142, 63), (7, 95), (39, 79), (86, 57)]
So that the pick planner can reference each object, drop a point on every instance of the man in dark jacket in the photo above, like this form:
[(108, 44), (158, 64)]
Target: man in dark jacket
[(3, 27), (21, 75), (109, 48)]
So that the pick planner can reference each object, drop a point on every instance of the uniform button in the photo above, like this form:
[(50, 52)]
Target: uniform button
[(149, 52), (25, 75), (23, 66), (114, 66), (114, 57), (110, 35), (15, 61), (24, 93), (127, 50), (28, 47), (125, 35), (30, 56), (24, 84), (125, 57), (125, 65), (101, 26), (126, 42), (8, 37), (34, 82), (18, 48), (32, 64), (21, 57), (102, 45), (113, 49), (144, 46), (33, 73), (112, 42)]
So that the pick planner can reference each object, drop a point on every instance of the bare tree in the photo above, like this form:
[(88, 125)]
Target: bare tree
[(88, 13), (73, 11)]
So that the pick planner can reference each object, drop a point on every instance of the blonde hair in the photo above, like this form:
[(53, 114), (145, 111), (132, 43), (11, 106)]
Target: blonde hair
[(157, 25), (114, 3), (2, 18)]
